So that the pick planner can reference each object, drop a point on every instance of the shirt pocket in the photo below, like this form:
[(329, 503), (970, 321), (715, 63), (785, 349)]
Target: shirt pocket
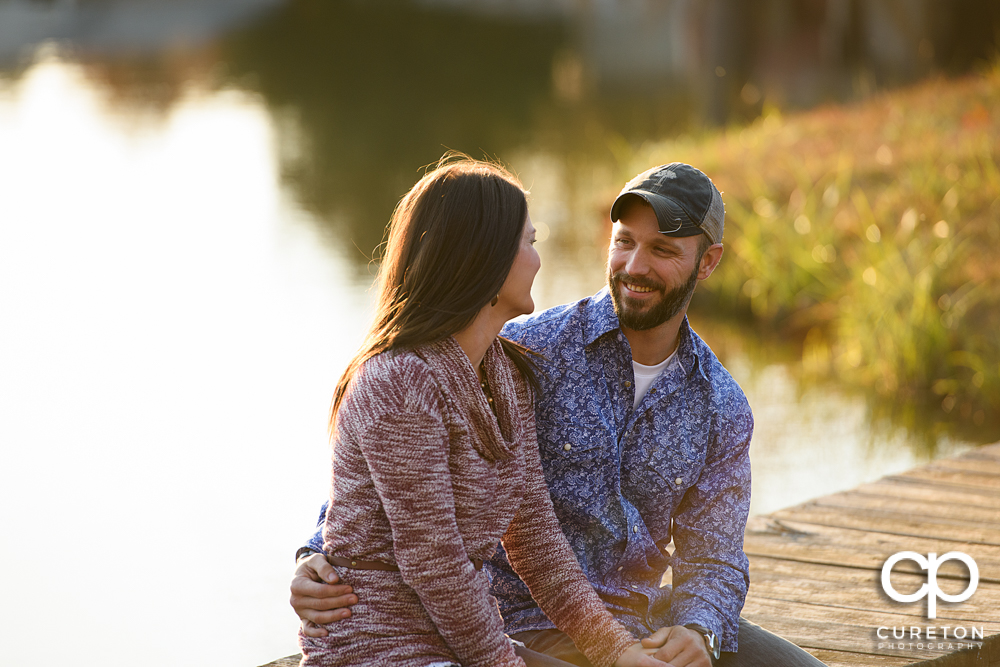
[(674, 454), (670, 472), (579, 462), (574, 441)]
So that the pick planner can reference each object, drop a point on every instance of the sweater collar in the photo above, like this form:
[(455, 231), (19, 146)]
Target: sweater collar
[(496, 436)]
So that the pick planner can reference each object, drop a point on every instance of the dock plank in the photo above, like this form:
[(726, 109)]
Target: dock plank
[(852, 589), (849, 659), (983, 451), (814, 626), (958, 478), (289, 661), (918, 489), (835, 546), (979, 466), (968, 514), (895, 523)]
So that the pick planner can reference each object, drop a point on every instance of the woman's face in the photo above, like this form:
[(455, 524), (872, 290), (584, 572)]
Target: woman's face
[(515, 295)]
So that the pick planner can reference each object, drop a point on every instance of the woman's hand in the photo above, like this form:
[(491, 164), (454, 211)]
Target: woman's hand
[(317, 596), (637, 656)]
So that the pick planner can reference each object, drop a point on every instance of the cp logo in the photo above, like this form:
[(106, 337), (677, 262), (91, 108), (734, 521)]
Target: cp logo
[(931, 590)]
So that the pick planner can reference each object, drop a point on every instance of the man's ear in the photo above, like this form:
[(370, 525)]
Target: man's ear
[(709, 261)]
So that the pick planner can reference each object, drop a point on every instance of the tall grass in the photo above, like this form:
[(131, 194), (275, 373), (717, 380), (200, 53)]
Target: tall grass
[(872, 234)]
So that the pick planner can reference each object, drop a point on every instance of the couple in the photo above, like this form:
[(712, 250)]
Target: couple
[(643, 438)]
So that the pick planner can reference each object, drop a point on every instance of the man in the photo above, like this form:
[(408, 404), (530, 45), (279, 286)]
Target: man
[(644, 438)]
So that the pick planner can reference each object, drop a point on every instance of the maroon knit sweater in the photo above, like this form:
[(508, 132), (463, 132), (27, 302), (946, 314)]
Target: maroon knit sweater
[(425, 478)]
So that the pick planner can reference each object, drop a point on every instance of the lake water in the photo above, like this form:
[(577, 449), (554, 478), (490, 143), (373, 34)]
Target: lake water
[(172, 322)]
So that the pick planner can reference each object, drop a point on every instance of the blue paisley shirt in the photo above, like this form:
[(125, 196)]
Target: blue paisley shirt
[(625, 482)]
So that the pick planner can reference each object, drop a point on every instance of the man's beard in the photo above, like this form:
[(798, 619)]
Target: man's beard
[(670, 303)]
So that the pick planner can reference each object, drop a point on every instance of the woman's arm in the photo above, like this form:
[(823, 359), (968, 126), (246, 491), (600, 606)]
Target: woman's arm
[(541, 556), (407, 454)]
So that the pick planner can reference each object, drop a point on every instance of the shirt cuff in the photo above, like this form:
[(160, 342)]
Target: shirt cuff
[(303, 551)]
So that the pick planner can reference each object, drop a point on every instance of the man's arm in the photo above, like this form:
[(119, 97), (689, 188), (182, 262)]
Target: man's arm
[(315, 542), (317, 595), (710, 570)]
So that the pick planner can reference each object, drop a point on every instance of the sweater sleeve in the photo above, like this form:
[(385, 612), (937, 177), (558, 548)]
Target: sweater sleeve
[(540, 554), (407, 454)]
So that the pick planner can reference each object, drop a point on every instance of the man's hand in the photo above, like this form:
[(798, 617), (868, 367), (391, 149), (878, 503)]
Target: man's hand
[(317, 596), (679, 646), (638, 656)]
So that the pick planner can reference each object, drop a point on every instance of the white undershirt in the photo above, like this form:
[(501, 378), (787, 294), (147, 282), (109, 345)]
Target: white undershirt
[(646, 375)]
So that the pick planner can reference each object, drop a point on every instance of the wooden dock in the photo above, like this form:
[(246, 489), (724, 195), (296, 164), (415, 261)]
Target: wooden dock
[(815, 569)]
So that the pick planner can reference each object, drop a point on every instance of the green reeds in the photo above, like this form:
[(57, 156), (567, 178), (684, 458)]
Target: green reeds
[(872, 234)]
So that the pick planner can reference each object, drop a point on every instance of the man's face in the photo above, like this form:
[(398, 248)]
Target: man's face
[(651, 276)]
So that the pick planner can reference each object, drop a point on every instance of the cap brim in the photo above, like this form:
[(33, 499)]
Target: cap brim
[(672, 219)]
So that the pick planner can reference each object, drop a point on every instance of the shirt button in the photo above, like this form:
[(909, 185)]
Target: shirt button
[(678, 481), (653, 390), (635, 529), (627, 383), (621, 567), (567, 446)]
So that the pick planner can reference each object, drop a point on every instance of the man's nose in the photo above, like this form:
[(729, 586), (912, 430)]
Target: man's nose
[(637, 264)]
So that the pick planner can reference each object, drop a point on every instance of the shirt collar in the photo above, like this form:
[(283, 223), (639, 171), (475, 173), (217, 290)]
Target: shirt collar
[(688, 352), (601, 319)]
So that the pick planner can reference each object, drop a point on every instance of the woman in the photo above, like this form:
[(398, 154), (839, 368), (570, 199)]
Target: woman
[(435, 457)]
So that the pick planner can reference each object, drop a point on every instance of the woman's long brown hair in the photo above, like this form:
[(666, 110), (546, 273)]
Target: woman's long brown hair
[(451, 243)]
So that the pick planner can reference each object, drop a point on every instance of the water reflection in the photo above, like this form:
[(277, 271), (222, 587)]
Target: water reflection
[(171, 329), (811, 437), (369, 92)]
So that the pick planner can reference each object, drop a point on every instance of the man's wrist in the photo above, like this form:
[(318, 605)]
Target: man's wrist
[(712, 641), (303, 552)]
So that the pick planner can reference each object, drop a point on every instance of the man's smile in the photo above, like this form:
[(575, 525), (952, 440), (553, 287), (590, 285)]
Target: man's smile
[(637, 288), (632, 287)]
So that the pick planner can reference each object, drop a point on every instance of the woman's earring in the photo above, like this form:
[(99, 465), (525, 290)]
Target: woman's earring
[(495, 299)]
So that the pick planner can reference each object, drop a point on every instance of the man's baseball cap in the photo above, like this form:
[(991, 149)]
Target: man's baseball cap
[(685, 200)]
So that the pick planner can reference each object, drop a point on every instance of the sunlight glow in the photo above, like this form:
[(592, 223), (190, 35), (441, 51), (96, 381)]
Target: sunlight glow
[(171, 333)]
